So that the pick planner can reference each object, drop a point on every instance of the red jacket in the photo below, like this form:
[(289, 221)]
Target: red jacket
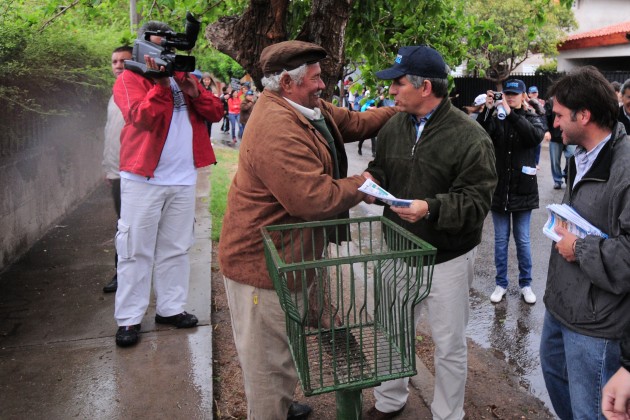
[(148, 109)]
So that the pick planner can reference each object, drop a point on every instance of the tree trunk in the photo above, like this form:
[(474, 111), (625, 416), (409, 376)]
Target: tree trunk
[(326, 26), (264, 23)]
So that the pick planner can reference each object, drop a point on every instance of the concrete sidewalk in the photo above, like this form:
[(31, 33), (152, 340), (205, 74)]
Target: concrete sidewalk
[(58, 358)]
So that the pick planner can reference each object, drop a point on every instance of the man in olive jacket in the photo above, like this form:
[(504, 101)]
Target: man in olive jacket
[(587, 298), (437, 156), (292, 168)]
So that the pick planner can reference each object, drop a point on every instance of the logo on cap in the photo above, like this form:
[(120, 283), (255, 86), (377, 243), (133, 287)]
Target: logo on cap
[(398, 59), (512, 85)]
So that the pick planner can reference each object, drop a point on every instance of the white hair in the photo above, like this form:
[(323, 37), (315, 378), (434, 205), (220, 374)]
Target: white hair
[(273, 82)]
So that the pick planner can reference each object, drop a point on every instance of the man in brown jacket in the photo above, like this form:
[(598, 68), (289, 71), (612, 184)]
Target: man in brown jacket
[(292, 168)]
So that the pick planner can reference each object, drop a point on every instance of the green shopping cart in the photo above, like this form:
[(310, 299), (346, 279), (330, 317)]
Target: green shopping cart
[(349, 305)]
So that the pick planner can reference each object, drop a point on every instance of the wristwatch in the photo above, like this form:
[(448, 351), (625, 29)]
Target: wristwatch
[(426, 216)]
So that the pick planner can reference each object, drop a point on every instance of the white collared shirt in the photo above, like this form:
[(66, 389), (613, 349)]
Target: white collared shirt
[(584, 160), (311, 114)]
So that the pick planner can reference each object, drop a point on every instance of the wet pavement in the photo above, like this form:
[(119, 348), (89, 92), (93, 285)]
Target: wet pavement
[(58, 358), (511, 327)]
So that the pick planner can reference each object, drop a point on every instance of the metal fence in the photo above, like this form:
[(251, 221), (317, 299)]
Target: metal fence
[(467, 88)]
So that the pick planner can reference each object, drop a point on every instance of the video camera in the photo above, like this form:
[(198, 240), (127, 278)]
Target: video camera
[(164, 54), (498, 96)]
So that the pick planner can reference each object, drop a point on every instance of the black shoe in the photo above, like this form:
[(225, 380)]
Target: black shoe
[(360, 154), (298, 411), (557, 185), (183, 320), (374, 414), (128, 335), (112, 286)]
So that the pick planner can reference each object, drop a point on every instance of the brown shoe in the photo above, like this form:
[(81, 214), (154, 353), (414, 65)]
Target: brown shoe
[(374, 414)]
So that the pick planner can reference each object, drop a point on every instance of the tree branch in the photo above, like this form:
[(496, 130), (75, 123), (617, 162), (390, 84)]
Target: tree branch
[(61, 12)]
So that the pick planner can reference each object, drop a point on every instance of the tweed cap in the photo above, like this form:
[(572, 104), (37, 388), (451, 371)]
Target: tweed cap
[(289, 55)]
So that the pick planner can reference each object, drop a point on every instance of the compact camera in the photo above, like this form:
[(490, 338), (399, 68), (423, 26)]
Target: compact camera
[(164, 54), (498, 96)]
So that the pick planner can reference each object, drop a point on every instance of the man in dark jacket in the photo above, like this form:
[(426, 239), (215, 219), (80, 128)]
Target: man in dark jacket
[(557, 148), (440, 158), (587, 295), (515, 137)]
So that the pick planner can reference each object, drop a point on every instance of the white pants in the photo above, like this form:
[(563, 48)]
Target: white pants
[(260, 335), (155, 232), (448, 309)]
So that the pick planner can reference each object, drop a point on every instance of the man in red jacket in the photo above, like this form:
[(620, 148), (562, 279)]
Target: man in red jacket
[(163, 142)]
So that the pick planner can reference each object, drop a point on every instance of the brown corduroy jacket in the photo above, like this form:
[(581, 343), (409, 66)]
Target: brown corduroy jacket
[(285, 175)]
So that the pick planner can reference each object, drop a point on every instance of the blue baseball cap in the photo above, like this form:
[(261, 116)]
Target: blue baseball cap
[(532, 89), (514, 86), (249, 92), (419, 60)]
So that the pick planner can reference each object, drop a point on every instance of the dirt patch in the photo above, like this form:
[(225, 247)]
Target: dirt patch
[(492, 390)]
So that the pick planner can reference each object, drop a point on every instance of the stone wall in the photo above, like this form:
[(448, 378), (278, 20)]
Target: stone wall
[(40, 184)]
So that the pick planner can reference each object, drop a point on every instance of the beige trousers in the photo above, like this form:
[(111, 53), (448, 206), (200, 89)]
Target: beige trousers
[(258, 324), (448, 310)]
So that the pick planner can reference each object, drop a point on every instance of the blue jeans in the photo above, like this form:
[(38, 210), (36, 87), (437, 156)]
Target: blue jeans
[(520, 222), (234, 122), (576, 367), (555, 156)]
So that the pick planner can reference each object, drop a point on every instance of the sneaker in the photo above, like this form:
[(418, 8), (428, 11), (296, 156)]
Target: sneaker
[(498, 294), (128, 335), (557, 185), (528, 295), (183, 320)]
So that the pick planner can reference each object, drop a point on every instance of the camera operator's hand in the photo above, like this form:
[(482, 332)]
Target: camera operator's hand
[(150, 62)]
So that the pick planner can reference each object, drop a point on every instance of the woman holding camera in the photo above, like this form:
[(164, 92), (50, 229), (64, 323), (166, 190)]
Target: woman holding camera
[(515, 133)]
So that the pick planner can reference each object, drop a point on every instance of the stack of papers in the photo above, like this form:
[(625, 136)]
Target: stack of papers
[(564, 215), (372, 188)]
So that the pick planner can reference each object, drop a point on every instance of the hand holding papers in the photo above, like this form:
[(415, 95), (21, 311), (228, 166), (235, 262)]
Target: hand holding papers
[(372, 188), (564, 215)]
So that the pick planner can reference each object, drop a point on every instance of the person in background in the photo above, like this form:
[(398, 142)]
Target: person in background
[(478, 105), (617, 87), (434, 154), (246, 107), (234, 112), (294, 170), (369, 104), (556, 148), (587, 297), (532, 94), (206, 82), (111, 150), (515, 138), (624, 109), (163, 142), (225, 95)]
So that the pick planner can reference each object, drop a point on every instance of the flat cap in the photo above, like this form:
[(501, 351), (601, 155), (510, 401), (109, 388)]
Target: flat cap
[(289, 55)]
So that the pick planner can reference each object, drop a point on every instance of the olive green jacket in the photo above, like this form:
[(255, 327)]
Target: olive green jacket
[(452, 167)]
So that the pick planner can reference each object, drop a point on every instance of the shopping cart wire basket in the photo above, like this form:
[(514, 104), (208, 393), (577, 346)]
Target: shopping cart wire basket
[(349, 305)]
